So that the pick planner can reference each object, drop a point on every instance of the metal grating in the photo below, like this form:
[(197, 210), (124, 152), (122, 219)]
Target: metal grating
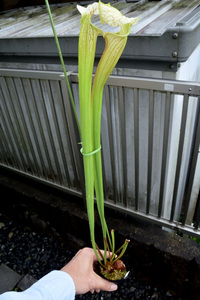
[(150, 141), (37, 132)]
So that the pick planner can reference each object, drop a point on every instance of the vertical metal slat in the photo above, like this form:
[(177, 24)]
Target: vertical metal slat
[(197, 219), (39, 114), (30, 95), (136, 146), (193, 165), (180, 153), (122, 104), (164, 152), (5, 137), (46, 89), (6, 101), (27, 140), (110, 134), (150, 149), (73, 138), (19, 121), (4, 150), (59, 139)]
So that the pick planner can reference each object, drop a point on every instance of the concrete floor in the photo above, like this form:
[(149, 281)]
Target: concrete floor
[(10, 280)]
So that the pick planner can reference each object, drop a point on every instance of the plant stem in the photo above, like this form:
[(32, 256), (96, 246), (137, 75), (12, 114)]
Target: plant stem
[(114, 46), (87, 47), (113, 244), (90, 112), (122, 249), (63, 65)]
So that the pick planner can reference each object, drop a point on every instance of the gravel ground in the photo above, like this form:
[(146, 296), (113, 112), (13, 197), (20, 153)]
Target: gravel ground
[(29, 252)]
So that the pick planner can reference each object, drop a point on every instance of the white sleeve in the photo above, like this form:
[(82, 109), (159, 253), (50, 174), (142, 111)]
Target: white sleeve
[(57, 285)]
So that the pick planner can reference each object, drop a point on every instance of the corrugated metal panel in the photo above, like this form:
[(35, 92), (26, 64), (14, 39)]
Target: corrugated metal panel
[(39, 140), (167, 31), (37, 129), (154, 18)]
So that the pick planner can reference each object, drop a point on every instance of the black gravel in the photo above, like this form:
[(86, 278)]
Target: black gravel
[(29, 252)]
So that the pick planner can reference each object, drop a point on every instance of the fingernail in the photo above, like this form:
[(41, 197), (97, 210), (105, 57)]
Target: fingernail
[(113, 287)]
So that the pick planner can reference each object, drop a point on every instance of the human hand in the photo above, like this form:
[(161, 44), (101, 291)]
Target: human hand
[(81, 269)]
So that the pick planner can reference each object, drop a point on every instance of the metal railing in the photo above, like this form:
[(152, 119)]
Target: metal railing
[(150, 142)]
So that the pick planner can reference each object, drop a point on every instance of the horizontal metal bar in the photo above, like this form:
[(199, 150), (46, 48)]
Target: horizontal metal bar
[(42, 180), (51, 75), (162, 85), (156, 220), (147, 217)]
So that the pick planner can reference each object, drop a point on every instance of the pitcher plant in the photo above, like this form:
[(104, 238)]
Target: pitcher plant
[(90, 102)]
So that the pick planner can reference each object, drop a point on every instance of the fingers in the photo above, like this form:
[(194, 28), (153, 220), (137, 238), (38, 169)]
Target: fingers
[(97, 291), (89, 251), (82, 270), (108, 254), (105, 285)]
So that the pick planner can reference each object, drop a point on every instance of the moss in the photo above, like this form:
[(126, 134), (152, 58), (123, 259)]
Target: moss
[(64, 10), (146, 6), (114, 275), (185, 4), (121, 5)]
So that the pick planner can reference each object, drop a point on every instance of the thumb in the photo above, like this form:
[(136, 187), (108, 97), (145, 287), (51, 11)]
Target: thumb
[(106, 285)]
